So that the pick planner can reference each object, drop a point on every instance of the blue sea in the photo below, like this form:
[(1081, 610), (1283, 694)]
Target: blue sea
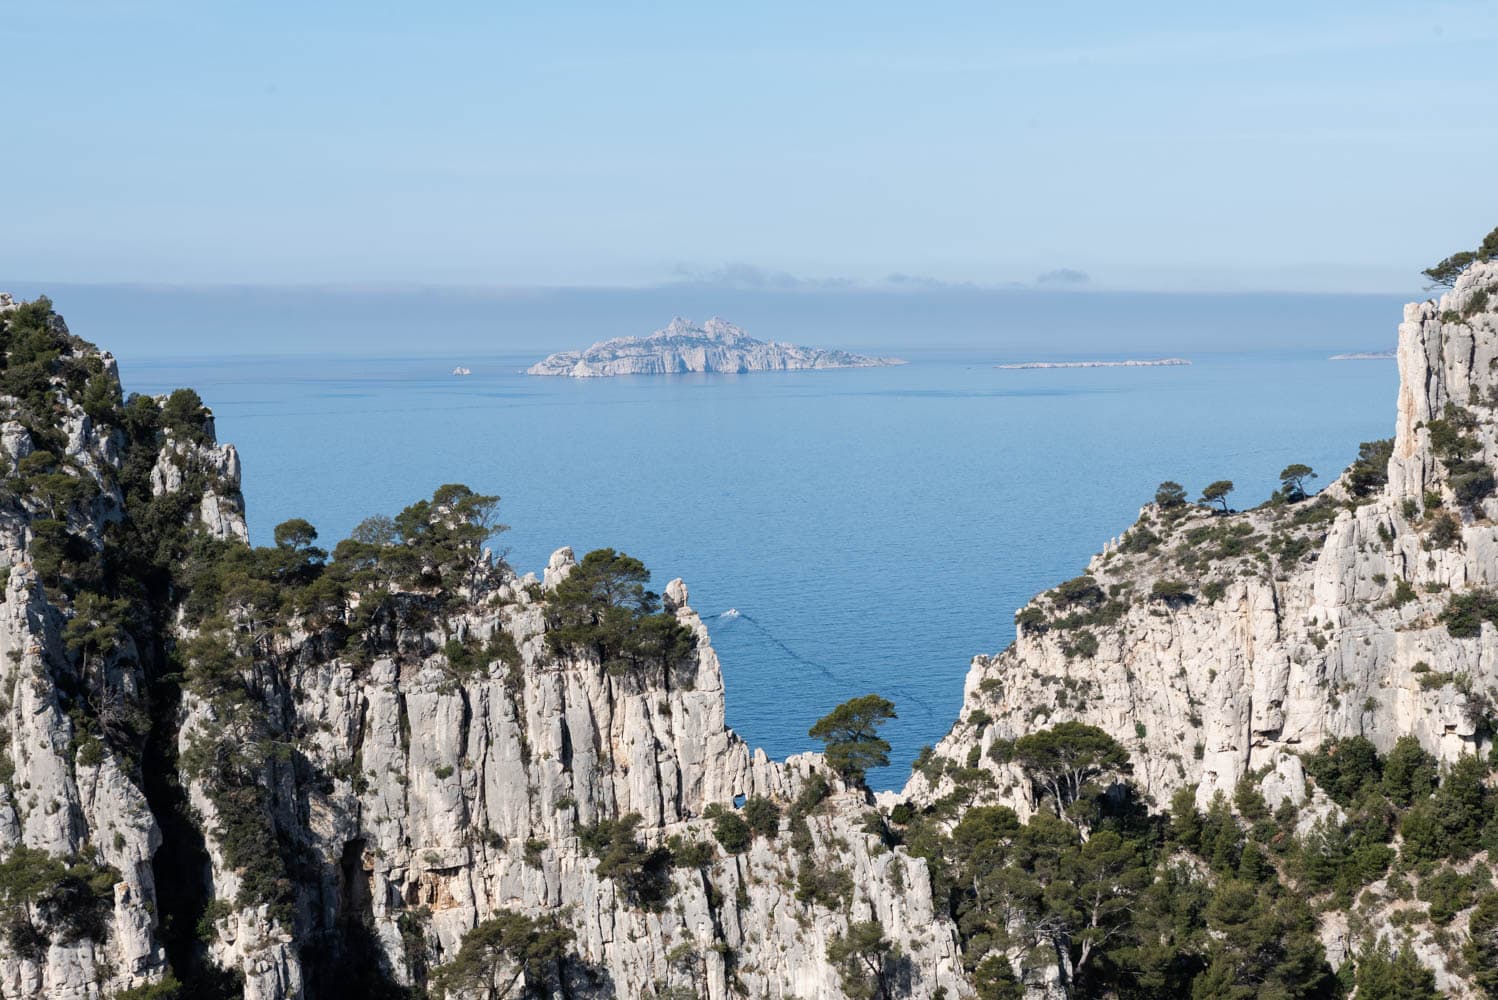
[(874, 528)]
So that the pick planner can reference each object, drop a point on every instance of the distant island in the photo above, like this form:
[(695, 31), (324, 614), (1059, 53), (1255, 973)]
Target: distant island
[(1135, 363), (684, 347), (1363, 356)]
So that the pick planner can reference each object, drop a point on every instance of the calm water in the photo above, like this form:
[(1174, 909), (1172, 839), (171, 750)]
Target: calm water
[(874, 528)]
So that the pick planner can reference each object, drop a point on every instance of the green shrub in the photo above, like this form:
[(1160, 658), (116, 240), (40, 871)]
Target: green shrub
[(166, 988), (1031, 620), (1476, 304), (184, 415), (831, 888), (1080, 590), (1448, 892), (762, 815), (1171, 592), (1083, 644), (690, 853), (1345, 769), (1139, 539), (90, 752), (1444, 530), (44, 897), (729, 828), (1466, 612), (1471, 482), (641, 872), (1370, 472)]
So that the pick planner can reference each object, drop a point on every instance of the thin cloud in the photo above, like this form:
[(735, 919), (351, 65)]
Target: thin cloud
[(754, 278), (1064, 277)]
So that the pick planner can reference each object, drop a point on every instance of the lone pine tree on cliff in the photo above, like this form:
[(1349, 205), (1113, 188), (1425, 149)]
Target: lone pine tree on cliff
[(1444, 274)]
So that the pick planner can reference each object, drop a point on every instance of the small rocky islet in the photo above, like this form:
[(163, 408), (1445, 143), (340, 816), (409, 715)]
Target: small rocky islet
[(683, 347)]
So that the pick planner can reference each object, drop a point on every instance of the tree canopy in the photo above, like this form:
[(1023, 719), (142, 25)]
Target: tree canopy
[(860, 956), (1217, 493), (850, 734), (603, 607), (1293, 480), (507, 949), (1170, 495), (1445, 273), (1065, 760)]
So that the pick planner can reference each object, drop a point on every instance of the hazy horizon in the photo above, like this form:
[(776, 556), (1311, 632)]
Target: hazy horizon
[(152, 321)]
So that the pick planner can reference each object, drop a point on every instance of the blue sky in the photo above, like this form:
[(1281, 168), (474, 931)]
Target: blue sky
[(1157, 146)]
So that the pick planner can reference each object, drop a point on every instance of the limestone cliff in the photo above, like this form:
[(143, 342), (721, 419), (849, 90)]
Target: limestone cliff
[(283, 797), (682, 347), (1217, 646)]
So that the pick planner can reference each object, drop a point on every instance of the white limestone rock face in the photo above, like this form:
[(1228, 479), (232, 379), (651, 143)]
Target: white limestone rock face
[(1299, 623), (1214, 646), (221, 508), (63, 791), (462, 794), (416, 796), (683, 346)]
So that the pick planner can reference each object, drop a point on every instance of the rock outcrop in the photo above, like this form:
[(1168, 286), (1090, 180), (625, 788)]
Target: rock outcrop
[(308, 802), (682, 347), (1217, 646)]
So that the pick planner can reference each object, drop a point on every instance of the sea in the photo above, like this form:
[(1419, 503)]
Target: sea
[(841, 532)]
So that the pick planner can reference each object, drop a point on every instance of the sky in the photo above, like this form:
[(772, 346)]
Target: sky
[(1066, 145)]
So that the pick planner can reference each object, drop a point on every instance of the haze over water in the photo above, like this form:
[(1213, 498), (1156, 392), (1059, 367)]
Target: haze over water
[(875, 528)]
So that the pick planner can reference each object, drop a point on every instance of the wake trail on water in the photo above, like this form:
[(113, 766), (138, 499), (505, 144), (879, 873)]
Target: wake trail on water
[(905, 694)]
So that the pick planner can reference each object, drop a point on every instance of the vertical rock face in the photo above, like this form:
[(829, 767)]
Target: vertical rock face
[(1215, 646), (1288, 624), (447, 800), (66, 801), (310, 813)]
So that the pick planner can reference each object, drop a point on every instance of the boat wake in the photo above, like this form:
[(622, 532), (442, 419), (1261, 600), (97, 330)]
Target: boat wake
[(903, 695)]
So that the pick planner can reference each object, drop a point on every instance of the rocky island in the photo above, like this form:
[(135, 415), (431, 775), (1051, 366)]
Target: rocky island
[(684, 347), (1364, 356), (1242, 754)]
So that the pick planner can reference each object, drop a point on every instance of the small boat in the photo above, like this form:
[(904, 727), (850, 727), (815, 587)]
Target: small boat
[(460, 370), (730, 613)]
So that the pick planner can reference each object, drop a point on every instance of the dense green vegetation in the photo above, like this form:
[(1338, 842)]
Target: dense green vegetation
[(602, 609), (509, 949), (44, 898), (641, 873), (1208, 905)]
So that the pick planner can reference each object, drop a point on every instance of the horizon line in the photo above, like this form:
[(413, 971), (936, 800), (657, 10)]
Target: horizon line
[(799, 288)]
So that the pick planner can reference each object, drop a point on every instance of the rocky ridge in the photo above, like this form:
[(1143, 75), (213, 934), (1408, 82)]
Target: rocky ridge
[(275, 810), (1221, 646), (683, 346)]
